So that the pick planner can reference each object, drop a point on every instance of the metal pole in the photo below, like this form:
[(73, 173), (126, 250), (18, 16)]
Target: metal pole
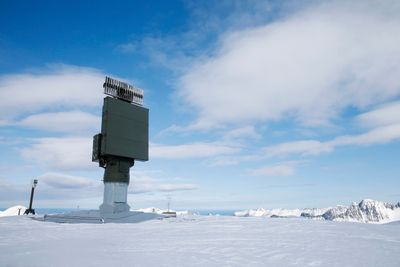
[(31, 200), (30, 210)]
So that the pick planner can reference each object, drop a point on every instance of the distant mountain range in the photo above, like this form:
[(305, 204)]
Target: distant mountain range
[(367, 211)]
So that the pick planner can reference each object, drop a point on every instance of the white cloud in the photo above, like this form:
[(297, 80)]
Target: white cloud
[(176, 187), (57, 180), (302, 147), (379, 135), (68, 122), (142, 183), (61, 153), (281, 169), (59, 87), (247, 132), (9, 191), (385, 115), (225, 161), (52, 187), (127, 48), (193, 150), (308, 66), (236, 159)]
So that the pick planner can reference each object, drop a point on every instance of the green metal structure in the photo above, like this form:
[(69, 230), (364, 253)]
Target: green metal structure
[(124, 138)]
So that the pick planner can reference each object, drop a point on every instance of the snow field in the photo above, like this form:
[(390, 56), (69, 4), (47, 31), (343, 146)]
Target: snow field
[(199, 241)]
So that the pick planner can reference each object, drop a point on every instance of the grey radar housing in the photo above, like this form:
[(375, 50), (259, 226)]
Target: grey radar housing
[(124, 138)]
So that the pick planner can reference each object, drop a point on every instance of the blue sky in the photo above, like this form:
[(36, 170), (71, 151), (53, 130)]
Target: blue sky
[(252, 103)]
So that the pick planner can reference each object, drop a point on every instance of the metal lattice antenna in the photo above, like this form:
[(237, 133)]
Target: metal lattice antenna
[(123, 91)]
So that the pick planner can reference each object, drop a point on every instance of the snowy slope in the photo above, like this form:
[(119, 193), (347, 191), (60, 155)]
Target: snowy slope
[(199, 241), (13, 211), (367, 211)]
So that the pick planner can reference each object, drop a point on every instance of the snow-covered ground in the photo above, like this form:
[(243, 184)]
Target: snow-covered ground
[(199, 241)]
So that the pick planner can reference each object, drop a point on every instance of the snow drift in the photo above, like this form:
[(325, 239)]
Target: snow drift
[(13, 211)]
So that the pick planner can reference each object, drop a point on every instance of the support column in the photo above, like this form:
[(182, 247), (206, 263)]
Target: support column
[(116, 182)]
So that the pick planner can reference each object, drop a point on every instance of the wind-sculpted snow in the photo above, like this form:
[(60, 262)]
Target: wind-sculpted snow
[(199, 241), (367, 211), (13, 211)]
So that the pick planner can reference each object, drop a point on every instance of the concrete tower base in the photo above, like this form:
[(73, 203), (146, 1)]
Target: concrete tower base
[(115, 198), (94, 216)]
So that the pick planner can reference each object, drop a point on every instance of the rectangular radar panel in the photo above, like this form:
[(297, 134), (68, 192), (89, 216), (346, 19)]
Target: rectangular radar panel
[(124, 130)]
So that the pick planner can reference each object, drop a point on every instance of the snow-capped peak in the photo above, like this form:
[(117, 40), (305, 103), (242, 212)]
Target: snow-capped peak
[(367, 211)]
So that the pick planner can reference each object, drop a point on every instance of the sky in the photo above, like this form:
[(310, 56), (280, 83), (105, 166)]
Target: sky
[(273, 104)]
